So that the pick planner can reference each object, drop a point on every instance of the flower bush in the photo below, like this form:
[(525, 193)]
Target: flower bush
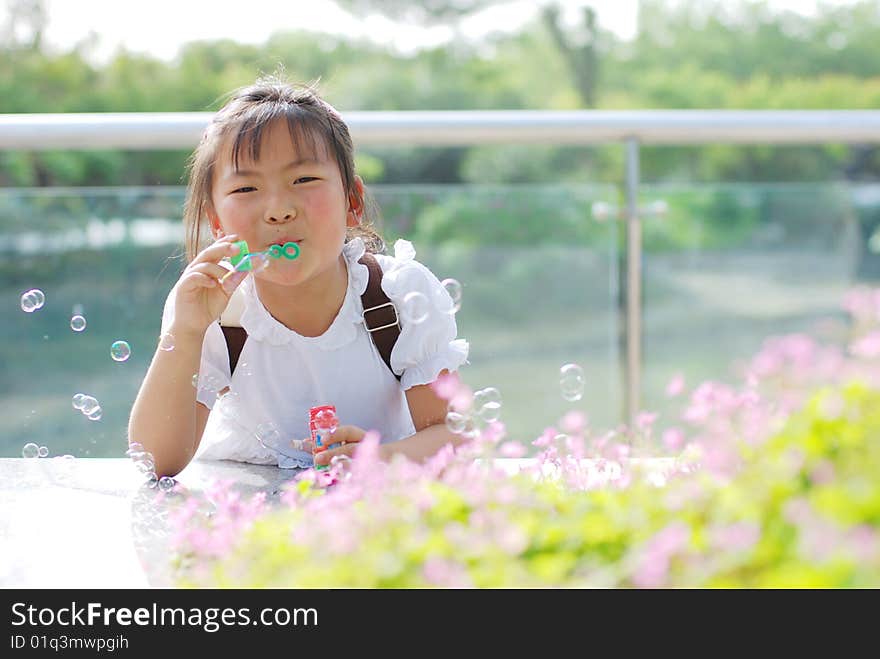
[(770, 484)]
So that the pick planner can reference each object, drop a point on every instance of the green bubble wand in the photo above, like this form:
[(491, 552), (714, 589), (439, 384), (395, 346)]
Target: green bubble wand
[(258, 261)]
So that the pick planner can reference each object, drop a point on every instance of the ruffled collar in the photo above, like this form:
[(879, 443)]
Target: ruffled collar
[(260, 325)]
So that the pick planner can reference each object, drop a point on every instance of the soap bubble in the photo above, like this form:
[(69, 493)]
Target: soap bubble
[(250, 263), (195, 380), (120, 351), (145, 466), (268, 435), (166, 483), (43, 451), (166, 342), (456, 422), (209, 383), (470, 430), (89, 405), (30, 450), (448, 299), (32, 300), (571, 382), (78, 400), (77, 323), (259, 261), (230, 403), (415, 307), (489, 408), (491, 396), (144, 461), (95, 414)]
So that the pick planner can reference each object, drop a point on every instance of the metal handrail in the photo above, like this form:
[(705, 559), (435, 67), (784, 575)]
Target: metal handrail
[(182, 130)]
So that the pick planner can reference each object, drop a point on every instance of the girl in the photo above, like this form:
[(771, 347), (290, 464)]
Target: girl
[(276, 166)]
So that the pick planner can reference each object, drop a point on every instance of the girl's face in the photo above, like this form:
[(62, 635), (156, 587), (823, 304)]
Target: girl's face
[(285, 196)]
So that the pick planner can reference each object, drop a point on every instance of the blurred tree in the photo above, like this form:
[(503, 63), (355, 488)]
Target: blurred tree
[(687, 54), (578, 48), (578, 45), (25, 24), (746, 37)]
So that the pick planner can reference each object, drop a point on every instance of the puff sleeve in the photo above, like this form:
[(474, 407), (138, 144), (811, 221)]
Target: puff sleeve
[(424, 348)]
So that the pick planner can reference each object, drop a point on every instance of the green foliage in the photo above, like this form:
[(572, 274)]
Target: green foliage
[(511, 216), (686, 55)]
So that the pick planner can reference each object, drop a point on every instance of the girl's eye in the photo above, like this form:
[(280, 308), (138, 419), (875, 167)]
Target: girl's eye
[(247, 188), (305, 179)]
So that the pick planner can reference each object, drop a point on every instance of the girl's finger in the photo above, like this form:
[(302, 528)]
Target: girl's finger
[(324, 457), (215, 252), (350, 434), (230, 281), (202, 280), (211, 269)]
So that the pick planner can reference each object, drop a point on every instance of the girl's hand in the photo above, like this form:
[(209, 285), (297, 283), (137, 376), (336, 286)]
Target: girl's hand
[(348, 436), (200, 298)]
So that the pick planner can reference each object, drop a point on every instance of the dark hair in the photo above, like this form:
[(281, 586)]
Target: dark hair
[(246, 115)]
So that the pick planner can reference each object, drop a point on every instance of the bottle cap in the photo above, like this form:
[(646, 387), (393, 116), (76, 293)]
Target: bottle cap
[(242, 252)]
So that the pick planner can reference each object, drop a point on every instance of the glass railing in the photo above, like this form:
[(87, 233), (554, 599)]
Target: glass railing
[(539, 275), (725, 267), (728, 266)]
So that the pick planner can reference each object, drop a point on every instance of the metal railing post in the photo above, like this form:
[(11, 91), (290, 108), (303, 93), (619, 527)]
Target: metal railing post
[(633, 375)]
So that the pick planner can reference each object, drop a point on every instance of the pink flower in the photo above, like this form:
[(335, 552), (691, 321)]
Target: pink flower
[(446, 385), (435, 465), (675, 385), (823, 473), (865, 542), (645, 420), (797, 511), (573, 422), (546, 439), (450, 387), (741, 536), (462, 399), (862, 303), (720, 460), (494, 432), (619, 452), (867, 347), (673, 439), (512, 450), (445, 573), (672, 539), (574, 444), (624, 481), (652, 570)]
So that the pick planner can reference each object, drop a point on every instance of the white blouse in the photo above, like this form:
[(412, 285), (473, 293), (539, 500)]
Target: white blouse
[(281, 374)]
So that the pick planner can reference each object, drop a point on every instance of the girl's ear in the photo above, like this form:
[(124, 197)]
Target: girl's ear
[(355, 203), (214, 219)]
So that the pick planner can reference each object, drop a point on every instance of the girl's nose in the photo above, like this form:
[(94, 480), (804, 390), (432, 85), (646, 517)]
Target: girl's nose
[(279, 216)]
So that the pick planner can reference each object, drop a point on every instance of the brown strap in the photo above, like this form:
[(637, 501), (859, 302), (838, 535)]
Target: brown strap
[(380, 316), (235, 338), (378, 313)]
